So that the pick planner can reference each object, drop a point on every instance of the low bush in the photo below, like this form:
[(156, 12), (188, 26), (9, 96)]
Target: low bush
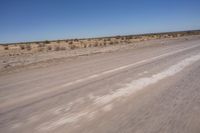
[(70, 42), (22, 47), (76, 40), (47, 42), (6, 48)]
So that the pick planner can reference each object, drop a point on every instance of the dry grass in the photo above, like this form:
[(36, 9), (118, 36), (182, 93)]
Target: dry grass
[(72, 44)]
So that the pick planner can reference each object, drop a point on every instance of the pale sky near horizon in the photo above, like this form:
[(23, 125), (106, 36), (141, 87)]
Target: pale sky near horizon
[(35, 20)]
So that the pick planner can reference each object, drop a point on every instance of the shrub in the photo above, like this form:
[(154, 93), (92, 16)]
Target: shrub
[(118, 37), (128, 37), (47, 42), (6, 47), (70, 42), (122, 38), (75, 40), (22, 47), (111, 43)]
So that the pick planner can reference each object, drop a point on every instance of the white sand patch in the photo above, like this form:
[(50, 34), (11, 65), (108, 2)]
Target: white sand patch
[(64, 120), (91, 115), (104, 102), (143, 82), (91, 96), (17, 125), (33, 118), (66, 108), (108, 107), (143, 73)]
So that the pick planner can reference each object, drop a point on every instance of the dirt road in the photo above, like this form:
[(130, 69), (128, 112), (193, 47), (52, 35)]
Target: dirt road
[(152, 89)]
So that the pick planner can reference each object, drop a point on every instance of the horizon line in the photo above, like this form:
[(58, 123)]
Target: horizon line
[(98, 37)]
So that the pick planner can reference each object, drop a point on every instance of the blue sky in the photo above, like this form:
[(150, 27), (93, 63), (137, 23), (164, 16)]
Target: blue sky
[(32, 20)]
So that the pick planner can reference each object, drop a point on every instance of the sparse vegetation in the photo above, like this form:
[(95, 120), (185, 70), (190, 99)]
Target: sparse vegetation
[(111, 43), (91, 42), (37, 51)]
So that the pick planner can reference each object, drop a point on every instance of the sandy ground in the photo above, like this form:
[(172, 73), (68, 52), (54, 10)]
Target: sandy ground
[(151, 89), (10, 63)]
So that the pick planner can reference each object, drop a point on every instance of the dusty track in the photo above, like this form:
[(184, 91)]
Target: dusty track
[(152, 89)]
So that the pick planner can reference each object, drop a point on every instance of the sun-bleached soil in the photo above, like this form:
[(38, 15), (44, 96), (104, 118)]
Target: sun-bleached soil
[(152, 88), (14, 62)]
